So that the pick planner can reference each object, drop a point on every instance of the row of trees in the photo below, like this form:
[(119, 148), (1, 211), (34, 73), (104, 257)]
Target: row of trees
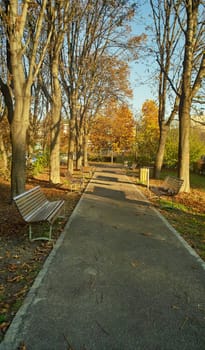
[(66, 60), (179, 49), (60, 59), (118, 133)]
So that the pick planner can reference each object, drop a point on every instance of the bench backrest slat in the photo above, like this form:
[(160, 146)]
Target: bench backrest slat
[(173, 183), (30, 201)]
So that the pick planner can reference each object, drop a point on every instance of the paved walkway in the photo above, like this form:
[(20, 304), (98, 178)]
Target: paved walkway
[(118, 279)]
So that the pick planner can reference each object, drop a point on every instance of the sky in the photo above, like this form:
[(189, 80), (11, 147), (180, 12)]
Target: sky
[(142, 90), (144, 85)]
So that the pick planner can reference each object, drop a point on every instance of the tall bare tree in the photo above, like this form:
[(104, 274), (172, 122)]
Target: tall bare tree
[(167, 35), (23, 24), (111, 83), (62, 13), (180, 38), (97, 26), (192, 76)]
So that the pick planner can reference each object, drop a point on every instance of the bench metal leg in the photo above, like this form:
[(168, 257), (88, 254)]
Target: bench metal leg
[(49, 238), (30, 232)]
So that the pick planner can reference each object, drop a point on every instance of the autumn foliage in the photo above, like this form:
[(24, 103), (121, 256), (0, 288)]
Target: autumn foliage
[(113, 131)]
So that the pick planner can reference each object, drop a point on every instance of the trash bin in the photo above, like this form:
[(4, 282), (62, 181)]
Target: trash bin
[(144, 176), (151, 172)]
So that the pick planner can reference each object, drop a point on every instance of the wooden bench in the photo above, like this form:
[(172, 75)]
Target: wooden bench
[(35, 208), (170, 187), (133, 166), (75, 183), (87, 170)]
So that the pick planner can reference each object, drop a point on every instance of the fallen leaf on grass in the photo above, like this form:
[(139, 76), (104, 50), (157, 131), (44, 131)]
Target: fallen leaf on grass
[(12, 267), (16, 256), (15, 279), (42, 250), (4, 326), (21, 292), (4, 308), (37, 258), (26, 267)]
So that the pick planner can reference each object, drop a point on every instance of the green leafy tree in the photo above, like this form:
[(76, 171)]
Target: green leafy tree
[(147, 133), (197, 148)]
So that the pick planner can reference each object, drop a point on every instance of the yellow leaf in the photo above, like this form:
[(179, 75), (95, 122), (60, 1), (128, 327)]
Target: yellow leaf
[(135, 263)]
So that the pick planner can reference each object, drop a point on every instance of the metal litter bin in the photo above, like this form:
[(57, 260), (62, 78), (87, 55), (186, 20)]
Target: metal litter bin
[(144, 176)]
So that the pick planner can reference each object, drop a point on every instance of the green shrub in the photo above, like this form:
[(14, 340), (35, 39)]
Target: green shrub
[(197, 148), (40, 162)]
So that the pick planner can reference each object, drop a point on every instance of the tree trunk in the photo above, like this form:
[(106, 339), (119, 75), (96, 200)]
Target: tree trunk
[(161, 150), (79, 149), (71, 145), (85, 150), (55, 126), (183, 150), (4, 166), (19, 127), (55, 148), (186, 94)]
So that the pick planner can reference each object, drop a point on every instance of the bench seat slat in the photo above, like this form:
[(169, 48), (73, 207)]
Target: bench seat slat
[(45, 212), (34, 207)]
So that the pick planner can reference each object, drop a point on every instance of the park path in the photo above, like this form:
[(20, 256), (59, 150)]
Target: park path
[(119, 278)]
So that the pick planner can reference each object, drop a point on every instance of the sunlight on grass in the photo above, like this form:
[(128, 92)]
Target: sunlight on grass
[(190, 225), (167, 204)]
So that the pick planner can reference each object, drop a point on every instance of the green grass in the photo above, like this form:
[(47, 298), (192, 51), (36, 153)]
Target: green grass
[(167, 204), (191, 226), (2, 318), (197, 181)]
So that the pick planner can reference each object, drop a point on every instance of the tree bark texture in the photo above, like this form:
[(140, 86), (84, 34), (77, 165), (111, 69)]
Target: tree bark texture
[(71, 145), (186, 94), (161, 149), (55, 125)]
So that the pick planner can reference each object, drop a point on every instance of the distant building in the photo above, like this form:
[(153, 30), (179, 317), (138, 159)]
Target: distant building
[(198, 122)]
